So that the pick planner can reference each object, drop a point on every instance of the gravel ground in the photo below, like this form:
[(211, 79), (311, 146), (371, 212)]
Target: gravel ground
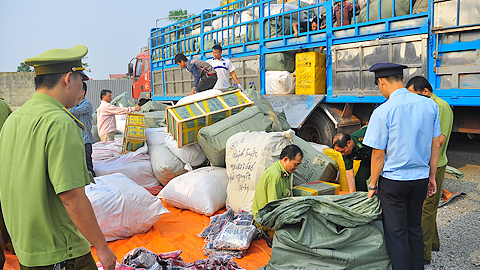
[(459, 221)]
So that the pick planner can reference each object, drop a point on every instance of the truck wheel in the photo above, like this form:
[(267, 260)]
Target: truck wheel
[(142, 101), (318, 129)]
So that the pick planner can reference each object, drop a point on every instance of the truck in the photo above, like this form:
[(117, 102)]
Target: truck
[(437, 39)]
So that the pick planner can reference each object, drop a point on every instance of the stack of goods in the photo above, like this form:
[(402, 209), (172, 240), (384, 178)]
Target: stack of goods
[(142, 258), (311, 73), (229, 233)]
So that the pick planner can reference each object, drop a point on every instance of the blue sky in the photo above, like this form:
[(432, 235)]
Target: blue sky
[(113, 31)]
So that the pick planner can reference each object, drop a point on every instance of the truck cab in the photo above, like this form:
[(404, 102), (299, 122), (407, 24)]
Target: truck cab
[(140, 72)]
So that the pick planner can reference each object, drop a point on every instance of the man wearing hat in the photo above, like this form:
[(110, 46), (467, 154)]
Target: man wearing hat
[(404, 133), (43, 170)]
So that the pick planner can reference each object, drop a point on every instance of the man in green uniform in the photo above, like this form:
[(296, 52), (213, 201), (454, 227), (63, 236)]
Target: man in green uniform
[(43, 171), (352, 148), (275, 183), (5, 111), (421, 86)]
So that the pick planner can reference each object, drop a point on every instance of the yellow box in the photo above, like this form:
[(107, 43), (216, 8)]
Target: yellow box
[(341, 166), (136, 130), (136, 119), (336, 186), (310, 74)]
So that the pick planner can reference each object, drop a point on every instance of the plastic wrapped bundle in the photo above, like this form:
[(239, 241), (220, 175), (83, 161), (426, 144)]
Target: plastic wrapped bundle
[(234, 237)]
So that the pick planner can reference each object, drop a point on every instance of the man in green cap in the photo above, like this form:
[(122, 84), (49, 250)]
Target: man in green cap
[(43, 170), (352, 148)]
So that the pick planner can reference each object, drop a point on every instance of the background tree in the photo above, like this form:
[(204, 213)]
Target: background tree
[(24, 68), (178, 15), (85, 64)]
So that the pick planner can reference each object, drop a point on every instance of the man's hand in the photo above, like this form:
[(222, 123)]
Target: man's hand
[(432, 187), (371, 193), (193, 91), (107, 258), (137, 108)]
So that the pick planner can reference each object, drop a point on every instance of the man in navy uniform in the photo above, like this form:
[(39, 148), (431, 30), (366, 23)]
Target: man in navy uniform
[(404, 133)]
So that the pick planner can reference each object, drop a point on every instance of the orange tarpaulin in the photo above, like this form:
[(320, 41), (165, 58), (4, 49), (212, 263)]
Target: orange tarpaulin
[(176, 230)]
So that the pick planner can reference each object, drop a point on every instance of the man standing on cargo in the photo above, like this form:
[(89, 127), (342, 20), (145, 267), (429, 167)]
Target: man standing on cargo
[(352, 148), (106, 116), (223, 67), (204, 75), (404, 133), (43, 171), (421, 86), (83, 111)]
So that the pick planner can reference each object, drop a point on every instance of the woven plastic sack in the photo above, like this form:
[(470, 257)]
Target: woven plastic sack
[(165, 165), (156, 136), (265, 106), (203, 190), (135, 165), (213, 139), (326, 232), (315, 166), (106, 150), (279, 83), (123, 100), (402, 7), (283, 120), (155, 119), (152, 106), (199, 96), (248, 155), (122, 207), (192, 155)]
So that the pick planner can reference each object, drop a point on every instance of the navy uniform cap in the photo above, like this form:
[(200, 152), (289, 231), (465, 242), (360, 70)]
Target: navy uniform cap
[(383, 70), (59, 61)]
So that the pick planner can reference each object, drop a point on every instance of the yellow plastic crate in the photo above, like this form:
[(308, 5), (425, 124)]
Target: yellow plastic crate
[(341, 166), (310, 73), (185, 120)]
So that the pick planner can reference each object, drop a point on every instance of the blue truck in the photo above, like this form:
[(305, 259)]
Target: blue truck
[(437, 39)]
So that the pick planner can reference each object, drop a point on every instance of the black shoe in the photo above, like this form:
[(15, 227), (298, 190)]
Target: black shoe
[(426, 262), (435, 249)]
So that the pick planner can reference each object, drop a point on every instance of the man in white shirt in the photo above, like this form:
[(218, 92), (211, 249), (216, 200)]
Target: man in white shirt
[(223, 67)]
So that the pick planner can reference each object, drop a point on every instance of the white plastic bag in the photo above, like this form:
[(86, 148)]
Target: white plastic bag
[(156, 136), (248, 155), (199, 96), (135, 165), (192, 155), (106, 150), (203, 190), (122, 207), (165, 164), (121, 121), (279, 83)]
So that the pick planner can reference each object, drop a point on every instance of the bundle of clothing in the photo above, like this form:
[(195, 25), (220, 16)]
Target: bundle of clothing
[(142, 258), (229, 233)]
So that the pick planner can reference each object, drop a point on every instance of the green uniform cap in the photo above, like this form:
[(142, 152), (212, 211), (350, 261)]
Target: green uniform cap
[(59, 61)]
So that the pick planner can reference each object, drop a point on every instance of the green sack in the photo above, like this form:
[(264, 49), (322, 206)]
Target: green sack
[(402, 7), (155, 119), (96, 138), (283, 120), (124, 99), (315, 166), (213, 139), (326, 232), (265, 106), (153, 106), (280, 61)]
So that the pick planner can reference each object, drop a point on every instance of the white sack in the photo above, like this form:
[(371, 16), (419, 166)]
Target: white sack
[(280, 8), (192, 155), (121, 121), (106, 150), (135, 165), (248, 155), (199, 96), (122, 207), (279, 83), (165, 164), (203, 190), (318, 147), (156, 136)]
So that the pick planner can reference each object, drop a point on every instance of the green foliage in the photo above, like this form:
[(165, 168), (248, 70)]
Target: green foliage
[(85, 64), (178, 15), (24, 68)]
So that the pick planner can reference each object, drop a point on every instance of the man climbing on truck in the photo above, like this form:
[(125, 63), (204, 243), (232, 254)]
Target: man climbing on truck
[(204, 75)]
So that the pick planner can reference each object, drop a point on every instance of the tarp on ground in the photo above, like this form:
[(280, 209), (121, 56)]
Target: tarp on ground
[(326, 232)]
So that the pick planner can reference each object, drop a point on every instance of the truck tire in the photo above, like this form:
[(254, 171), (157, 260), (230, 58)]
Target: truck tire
[(142, 101), (318, 129)]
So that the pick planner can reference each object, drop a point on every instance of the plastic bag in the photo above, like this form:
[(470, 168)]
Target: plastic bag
[(234, 237), (192, 155)]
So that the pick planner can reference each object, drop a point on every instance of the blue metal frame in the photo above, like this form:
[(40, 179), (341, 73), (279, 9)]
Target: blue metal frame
[(419, 23)]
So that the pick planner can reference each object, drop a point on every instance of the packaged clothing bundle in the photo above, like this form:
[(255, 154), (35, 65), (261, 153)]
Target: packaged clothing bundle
[(155, 119), (203, 190), (106, 150), (122, 207), (248, 155), (326, 232), (135, 165), (142, 258), (229, 233)]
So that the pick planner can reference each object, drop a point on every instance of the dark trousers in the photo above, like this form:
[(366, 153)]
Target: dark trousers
[(402, 203), (207, 83), (362, 176), (85, 262), (88, 155)]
